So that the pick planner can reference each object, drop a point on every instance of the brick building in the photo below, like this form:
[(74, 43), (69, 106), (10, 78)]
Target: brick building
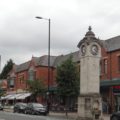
[(110, 72), (37, 68)]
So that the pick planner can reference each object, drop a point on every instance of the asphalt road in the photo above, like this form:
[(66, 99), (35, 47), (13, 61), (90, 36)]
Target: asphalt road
[(17, 116)]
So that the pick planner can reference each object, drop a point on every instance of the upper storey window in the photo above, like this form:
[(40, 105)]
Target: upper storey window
[(119, 63), (31, 74), (105, 66), (21, 78)]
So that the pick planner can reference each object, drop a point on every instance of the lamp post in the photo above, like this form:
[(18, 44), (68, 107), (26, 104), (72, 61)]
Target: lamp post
[(49, 21)]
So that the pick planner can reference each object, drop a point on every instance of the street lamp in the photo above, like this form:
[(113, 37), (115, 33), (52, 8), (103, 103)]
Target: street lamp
[(38, 17)]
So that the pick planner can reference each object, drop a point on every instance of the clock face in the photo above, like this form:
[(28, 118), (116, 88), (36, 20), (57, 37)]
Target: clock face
[(83, 49), (94, 49)]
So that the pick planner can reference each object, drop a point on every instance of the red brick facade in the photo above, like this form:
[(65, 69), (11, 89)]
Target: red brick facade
[(41, 72), (112, 64)]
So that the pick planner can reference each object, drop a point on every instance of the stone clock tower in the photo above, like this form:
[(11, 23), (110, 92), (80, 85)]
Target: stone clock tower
[(89, 101)]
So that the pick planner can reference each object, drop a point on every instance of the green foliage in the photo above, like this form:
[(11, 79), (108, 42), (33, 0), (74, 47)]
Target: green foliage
[(36, 87), (2, 92), (68, 79), (6, 69)]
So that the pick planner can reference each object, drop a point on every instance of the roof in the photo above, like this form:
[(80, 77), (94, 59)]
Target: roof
[(112, 44), (44, 60), (23, 66), (62, 58), (39, 61)]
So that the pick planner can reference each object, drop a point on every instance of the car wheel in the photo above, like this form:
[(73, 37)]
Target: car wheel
[(18, 111), (114, 118), (15, 111), (32, 112), (45, 114)]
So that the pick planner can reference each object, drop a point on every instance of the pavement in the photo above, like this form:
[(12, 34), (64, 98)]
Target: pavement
[(70, 115), (106, 117), (73, 115)]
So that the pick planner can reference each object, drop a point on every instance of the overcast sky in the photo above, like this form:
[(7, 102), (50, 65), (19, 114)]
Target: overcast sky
[(23, 36)]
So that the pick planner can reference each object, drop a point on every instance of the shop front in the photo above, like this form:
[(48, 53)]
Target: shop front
[(110, 92), (116, 92)]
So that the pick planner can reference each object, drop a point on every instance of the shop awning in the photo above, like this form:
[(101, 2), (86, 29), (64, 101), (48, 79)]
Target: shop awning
[(112, 82), (14, 96), (19, 96), (53, 88), (6, 97), (23, 96)]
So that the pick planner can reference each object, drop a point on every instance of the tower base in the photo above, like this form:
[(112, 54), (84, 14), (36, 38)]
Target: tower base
[(89, 107)]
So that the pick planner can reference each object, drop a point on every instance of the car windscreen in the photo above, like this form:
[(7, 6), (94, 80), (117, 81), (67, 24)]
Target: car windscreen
[(37, 105), (23, 104)]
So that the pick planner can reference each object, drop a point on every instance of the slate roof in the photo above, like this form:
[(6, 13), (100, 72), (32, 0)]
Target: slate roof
[(39, 61), (113, 44), (62, 58), (43, 61), (23, 66)]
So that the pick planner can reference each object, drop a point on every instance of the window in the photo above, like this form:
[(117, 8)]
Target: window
[(11, 83), (119, 63), (21, 79), (31, 74), (105, 65)]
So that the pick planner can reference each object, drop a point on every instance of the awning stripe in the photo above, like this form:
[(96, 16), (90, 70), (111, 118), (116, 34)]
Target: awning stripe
[(20, 96)]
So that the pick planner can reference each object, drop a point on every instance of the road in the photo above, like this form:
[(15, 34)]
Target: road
[(17, 116)]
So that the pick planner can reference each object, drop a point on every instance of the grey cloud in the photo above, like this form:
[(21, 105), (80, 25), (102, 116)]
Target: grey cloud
[(21, 35)]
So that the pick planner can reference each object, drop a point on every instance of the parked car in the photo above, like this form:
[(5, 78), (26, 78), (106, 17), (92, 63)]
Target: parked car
[(115, 116), (19, 107), (1, 106), (36, 109)]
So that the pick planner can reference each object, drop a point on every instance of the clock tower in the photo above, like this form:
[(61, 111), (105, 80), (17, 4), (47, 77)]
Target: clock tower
[(89, 101)]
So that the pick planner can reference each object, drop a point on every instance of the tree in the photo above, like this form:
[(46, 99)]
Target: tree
[(6, 69), (2, 92), (67, 80), (36, 87)]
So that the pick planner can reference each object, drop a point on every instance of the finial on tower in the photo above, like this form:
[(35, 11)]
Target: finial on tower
[(90, 28), (90, 33)]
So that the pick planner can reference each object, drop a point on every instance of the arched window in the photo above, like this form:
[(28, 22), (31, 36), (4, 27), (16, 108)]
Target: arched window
[(31, 74)]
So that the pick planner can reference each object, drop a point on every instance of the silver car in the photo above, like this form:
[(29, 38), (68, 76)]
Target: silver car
[(36, 109)]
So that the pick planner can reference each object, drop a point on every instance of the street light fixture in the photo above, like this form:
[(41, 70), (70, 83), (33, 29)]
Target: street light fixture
[(38, 17)]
